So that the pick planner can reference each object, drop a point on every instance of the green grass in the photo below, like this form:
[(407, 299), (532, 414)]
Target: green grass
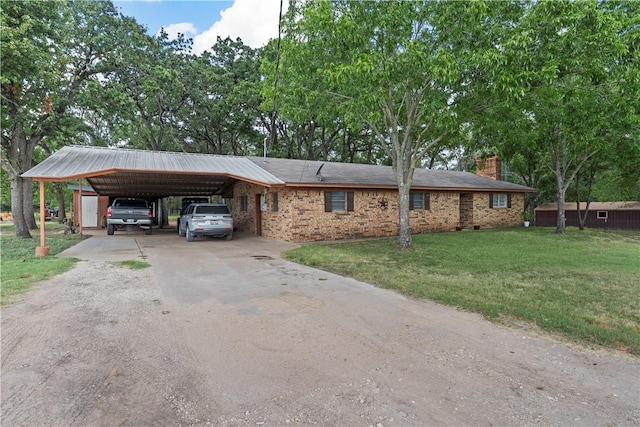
[(583, 285), (132, 264), (21, 268)]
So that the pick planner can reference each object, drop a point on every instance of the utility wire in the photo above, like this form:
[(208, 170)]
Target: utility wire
[(275, 80)]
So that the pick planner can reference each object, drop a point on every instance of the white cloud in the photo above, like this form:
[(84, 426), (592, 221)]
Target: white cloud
[(186, 28), (254, 21)]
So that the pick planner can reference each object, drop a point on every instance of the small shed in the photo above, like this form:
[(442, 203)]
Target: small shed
[(94, 206), (604, 215)]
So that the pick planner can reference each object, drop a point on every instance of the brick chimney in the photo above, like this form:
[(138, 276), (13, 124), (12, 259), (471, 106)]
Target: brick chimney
[(489, 168)]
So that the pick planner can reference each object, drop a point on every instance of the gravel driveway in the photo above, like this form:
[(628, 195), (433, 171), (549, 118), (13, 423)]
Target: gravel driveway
[(226, 333)]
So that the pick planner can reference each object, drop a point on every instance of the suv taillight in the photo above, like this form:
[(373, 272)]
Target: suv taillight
[(150, 213)]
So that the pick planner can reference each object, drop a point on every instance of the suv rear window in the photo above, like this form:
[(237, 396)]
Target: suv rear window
[(211, 210)]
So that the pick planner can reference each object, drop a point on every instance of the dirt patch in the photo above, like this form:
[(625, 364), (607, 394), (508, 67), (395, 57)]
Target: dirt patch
[(265, 342)]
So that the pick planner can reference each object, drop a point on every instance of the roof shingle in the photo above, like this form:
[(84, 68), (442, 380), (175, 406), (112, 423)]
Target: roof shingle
[(161, 173)]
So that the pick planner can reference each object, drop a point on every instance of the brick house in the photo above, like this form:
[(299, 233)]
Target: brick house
[(292, 200), (329, 201)]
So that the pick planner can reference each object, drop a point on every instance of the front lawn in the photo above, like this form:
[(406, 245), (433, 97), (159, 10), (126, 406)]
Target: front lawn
[(583, 285), (21, 268)]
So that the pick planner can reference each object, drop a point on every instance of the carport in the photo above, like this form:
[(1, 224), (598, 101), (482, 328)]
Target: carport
[(145, 174)]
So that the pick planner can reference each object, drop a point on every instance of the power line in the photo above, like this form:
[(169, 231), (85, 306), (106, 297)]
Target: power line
[(275, 80)]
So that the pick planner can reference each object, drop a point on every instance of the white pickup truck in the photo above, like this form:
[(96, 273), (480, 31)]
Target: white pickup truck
[(130, 213)]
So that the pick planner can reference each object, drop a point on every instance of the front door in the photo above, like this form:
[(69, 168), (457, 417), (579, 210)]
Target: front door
[(466, 210), (258, 215)]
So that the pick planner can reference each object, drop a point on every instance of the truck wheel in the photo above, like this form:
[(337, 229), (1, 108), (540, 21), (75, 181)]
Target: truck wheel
[(110, 229), (147, 231), (190, 235)]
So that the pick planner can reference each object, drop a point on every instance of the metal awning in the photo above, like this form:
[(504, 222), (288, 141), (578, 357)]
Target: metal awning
[(150, 174)]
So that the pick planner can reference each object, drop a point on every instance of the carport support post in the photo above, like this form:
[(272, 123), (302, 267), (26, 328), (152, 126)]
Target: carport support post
[(79, 206), (42, 250)]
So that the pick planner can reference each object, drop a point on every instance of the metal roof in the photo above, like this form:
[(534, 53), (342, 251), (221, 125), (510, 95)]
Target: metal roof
[(594, 206), (141, 173)]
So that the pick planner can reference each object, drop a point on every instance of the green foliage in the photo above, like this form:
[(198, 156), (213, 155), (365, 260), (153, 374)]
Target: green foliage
[(579, 285), (381, 64), (224, 95), (21, 268), (566, 95), (396, 82), (5, 192), (132, 264)]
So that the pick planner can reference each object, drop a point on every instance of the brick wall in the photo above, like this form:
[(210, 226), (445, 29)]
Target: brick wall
[(301, 216), (489, 168), (245, 220), (488, 217)]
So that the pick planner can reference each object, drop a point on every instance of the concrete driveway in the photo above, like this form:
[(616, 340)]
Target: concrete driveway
[(227, 333)]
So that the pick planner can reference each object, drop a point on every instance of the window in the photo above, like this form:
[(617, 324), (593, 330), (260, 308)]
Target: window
[(602, 215), (340, 201), (274, 202), (419, 201), (500, 200), (208, 209), (244, 203)]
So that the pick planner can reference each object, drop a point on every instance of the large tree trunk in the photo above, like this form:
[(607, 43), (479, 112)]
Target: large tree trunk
[(27, 195), (582, 217), (17, 208), (559, 162), (561, 218), (404, 230), (164, 219), (18, 160)]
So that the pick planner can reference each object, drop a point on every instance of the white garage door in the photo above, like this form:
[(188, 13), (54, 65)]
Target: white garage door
[(89, 211)]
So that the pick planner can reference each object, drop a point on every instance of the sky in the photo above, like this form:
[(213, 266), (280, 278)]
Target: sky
[(254, 21)]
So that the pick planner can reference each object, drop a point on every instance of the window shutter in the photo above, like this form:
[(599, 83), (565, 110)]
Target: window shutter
[(327, 201), (509, 200), (427, 201), (349, 201), (411, 196), (491, 200)]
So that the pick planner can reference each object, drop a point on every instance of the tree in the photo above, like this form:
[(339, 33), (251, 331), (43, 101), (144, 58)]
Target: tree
[(384, 66), (224, 100), (50, 51), (566, 73), (29, 30)]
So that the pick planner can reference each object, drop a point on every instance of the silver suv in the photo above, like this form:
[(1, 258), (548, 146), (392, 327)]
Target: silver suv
[(206, 219)]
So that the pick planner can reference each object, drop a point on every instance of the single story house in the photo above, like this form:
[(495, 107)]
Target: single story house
[(604, 215), (296, 200), (328, 201)]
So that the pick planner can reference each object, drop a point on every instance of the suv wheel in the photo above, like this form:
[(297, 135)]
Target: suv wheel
[(190, 235)]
